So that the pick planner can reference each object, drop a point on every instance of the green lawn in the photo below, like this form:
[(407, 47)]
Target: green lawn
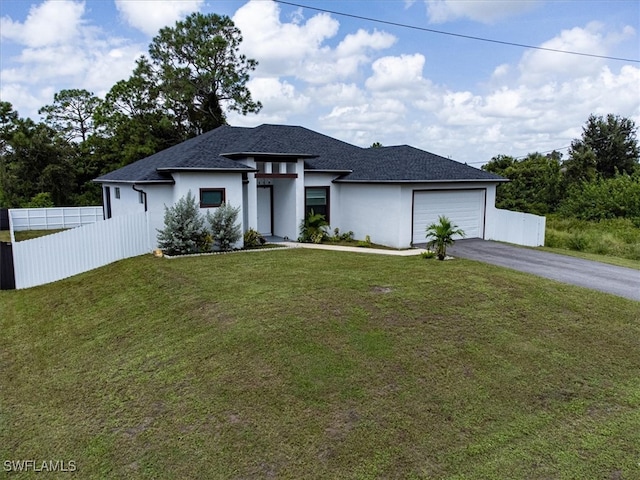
[(315, 364), (5, 235)]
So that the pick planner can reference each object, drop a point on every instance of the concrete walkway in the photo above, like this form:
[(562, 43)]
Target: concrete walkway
[(341, 248)]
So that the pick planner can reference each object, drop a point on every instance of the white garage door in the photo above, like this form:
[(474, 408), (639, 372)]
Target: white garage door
[(465, 208)]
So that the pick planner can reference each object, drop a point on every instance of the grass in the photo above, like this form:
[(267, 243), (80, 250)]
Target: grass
[(5, 235), (314, 364), (610, 238)]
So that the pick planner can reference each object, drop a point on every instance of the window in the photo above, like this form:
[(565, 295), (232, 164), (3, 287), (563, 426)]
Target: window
[(317, 199), (211, 197), (117, 192)]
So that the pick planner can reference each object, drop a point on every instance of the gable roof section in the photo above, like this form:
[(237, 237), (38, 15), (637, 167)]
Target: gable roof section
[(408, 164), (223, 148)]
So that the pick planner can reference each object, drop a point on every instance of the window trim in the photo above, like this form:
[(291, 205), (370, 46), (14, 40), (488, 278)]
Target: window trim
[(327, 197), (116, 192), (212, 205)]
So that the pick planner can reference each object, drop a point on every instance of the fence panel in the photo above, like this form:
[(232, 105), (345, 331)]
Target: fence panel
[(53, 218), (61, 255), (519, 228)]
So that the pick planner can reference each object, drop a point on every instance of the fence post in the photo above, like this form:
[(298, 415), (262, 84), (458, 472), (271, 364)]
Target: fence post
[(4, 219), (7, 273)]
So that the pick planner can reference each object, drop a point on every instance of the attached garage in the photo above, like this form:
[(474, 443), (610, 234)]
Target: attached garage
[(465, 208)]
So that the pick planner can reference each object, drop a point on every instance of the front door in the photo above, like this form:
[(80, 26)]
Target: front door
[(265, 220)]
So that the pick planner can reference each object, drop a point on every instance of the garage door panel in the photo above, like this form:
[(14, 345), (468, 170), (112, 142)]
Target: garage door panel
[(465, 208)]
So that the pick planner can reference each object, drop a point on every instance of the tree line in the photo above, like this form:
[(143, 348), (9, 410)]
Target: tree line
[(192, 76), (600, 179)]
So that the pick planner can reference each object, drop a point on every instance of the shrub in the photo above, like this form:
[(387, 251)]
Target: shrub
[(604, 198), (578, 241), (344, 237), (184, 231), (225, 230), (313, 229), (428, 255), (253, 239), (366, 243)]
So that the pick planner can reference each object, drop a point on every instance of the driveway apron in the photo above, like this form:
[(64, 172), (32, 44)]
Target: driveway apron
[(621, 281)]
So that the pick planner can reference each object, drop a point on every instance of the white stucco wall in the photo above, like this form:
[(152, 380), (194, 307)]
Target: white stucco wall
[(371, 209), (128, 202)]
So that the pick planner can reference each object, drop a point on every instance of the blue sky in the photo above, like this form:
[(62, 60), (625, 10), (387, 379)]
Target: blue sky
[(358, 80)]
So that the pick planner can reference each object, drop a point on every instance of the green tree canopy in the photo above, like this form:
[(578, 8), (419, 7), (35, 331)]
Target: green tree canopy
[(201, 72), (71, 113), (608, 145), (536, 182)]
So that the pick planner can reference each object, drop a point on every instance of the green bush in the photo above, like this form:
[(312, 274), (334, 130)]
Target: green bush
[(184, 231), (617, 197), (578, 241), (253, 239), (225, 230)]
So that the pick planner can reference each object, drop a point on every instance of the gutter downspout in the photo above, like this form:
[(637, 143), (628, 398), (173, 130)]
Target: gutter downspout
[(144, 194), (146, 216)]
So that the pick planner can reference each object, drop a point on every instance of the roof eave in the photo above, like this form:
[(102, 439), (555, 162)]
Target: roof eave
[(468, 180), (327, 170), (202, 169), (133, 182)]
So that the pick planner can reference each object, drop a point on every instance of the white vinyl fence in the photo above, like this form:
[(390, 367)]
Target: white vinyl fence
[(61, 255), (517, 227), (53, 218)]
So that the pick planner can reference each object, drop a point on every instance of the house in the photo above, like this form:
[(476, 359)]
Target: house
[(277, 173)]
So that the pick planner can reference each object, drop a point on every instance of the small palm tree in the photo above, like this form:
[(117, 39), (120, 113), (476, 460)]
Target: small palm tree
[(440, 235)]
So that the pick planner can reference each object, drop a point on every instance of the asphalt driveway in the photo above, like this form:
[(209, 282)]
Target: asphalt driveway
[(621, 281)]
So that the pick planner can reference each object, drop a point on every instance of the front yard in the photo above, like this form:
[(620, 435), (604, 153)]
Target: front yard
[(315, 364)]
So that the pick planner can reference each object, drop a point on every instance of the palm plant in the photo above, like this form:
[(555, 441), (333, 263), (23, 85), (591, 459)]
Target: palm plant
[(313, 228), (440, 235)]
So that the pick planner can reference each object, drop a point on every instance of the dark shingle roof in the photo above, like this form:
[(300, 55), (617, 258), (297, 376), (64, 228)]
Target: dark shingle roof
[(408, 164), (218, 149)]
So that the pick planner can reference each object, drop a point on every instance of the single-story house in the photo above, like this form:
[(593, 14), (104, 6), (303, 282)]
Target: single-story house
[(277, 173)]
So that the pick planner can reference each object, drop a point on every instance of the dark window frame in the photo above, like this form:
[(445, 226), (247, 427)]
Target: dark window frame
[(116, 192), (327, 205), (212, 205)]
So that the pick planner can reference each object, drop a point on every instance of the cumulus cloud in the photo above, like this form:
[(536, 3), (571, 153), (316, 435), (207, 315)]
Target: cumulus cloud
[(299, 49), (149, 16), (544, 66), (50, 23), (397, 73), (485, 11), (62, 50)]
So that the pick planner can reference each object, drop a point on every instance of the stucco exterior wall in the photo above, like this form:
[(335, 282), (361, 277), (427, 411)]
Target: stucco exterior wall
[(128, 202), (374, 210)]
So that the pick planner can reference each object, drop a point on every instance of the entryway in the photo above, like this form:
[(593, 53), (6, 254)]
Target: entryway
[(265, 210)]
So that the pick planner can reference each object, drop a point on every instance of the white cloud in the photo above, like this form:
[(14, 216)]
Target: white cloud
[(397, 73), (149, 16), (50, 23), (298, 49), (544, 66), (485, 11), (70, 54)]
